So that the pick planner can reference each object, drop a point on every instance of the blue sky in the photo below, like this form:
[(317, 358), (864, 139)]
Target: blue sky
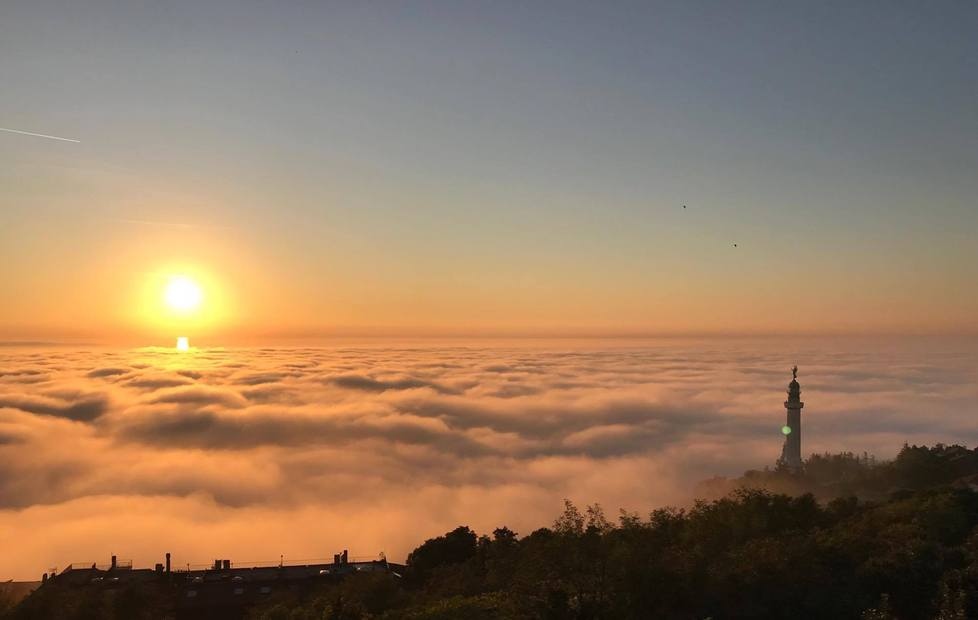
[(423, 161)]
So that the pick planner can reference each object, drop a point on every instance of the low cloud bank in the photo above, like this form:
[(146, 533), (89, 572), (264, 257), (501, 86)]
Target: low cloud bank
[(233, 453)]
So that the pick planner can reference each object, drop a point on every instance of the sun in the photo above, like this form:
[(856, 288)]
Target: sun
[(183, 294)]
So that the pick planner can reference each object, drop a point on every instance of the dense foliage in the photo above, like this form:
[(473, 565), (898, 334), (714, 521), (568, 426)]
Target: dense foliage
[(828, 476), (908, 552)]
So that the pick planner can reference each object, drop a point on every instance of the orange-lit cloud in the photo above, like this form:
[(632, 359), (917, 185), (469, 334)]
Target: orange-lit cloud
[(377, 448)]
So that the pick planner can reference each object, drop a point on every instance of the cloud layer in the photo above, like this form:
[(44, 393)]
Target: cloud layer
[(253, 453)]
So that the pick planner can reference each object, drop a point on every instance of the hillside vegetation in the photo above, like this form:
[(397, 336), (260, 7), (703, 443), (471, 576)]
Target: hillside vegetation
[(883, 540)]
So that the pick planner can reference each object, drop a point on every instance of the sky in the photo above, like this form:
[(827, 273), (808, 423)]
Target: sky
[(259, 452), (487, 169)]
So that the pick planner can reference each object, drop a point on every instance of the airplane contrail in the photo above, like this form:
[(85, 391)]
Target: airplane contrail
[(38, 135)]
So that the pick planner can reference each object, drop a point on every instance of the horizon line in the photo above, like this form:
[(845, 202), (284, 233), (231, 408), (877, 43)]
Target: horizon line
[(219, 339)]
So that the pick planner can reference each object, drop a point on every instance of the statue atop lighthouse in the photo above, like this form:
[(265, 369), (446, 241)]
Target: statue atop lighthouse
[(791, 452)]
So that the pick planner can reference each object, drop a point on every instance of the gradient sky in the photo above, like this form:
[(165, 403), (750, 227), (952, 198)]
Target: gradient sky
[(489, 168)]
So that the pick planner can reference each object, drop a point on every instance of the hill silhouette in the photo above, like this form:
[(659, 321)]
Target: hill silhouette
[(828, 476), (848, 537)]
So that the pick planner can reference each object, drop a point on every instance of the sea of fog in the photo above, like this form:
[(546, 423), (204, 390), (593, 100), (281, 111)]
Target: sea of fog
[(253, 454)]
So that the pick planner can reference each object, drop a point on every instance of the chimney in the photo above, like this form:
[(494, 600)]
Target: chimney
[(159, 568), (346, 558), (167, 563), (44, 578), (336, 558), (113, 564), (217, 565), (227, 564)]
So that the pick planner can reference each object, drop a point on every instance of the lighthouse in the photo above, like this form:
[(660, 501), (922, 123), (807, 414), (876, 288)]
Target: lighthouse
[(791, 452)]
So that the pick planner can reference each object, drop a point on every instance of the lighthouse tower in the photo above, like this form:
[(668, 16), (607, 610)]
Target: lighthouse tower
[(791, 452)]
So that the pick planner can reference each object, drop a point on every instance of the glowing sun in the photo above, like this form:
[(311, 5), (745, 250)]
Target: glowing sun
[(183, 294)]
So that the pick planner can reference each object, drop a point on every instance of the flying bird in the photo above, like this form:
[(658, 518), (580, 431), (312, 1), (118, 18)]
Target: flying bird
[(735, 245), (38, 135)]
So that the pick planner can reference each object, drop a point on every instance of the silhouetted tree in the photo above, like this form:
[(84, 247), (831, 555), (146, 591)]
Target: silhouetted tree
[(454, 547)]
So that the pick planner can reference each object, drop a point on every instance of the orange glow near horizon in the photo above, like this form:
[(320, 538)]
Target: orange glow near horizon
[(178, 300)]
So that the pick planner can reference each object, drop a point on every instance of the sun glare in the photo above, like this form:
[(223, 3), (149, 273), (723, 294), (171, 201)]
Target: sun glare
[(183, 294), (183, 343)]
